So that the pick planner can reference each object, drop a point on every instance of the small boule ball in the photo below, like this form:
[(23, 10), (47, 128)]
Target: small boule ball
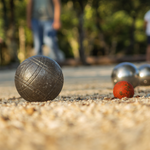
[(125, 71), (123, 89), (39, 79), (144, 73)]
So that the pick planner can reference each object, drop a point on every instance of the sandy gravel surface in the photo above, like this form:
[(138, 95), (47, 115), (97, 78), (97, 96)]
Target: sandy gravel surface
[(84, 116)]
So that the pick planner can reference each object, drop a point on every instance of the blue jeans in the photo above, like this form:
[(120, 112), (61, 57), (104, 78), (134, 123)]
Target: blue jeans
[(43, 33)]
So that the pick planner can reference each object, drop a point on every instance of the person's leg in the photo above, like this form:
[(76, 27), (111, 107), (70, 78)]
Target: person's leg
[(50, 39), (148, 50), (38, 36)]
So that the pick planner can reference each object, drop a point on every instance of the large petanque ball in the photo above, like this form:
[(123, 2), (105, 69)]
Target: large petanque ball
[(125, 72), (144, 74), (39, 79)]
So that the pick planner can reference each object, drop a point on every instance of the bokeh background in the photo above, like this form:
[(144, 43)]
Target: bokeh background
[(90, 28)]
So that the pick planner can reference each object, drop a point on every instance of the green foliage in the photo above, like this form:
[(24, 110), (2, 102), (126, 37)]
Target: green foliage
[(110, 26)]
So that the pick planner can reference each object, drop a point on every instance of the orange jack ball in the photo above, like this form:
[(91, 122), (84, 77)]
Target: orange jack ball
[(123, 89)]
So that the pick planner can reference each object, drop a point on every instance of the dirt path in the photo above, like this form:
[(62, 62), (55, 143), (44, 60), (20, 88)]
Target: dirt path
[(85, 116)]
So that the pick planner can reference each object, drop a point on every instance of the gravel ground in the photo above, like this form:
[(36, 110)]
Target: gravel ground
[(84, 116)]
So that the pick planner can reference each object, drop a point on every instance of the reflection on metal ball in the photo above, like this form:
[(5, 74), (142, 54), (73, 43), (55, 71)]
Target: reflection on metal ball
[(144, 74), (38, 79), (125, 72)]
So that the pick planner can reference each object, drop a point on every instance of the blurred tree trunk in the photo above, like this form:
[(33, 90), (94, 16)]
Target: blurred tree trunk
[(11, 33), (81, 32), (130, 49), (5, 18), (5, 26), (101, 35), (10, 29)]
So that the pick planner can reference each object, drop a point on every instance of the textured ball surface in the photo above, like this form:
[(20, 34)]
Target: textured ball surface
[(39, 78), (144, 74), (125, 72), (123, 89)]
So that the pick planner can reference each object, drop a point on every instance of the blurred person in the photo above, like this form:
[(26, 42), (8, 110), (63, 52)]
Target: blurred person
[(43, 17), (147, 30)]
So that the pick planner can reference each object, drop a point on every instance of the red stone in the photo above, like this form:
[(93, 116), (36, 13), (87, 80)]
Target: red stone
[(123, 89)]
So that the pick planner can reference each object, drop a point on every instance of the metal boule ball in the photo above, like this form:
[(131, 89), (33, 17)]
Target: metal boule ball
[(144, 74), (125, 72), (38, 79)]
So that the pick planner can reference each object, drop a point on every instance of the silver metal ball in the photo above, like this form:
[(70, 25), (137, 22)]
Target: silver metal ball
[(125, 72), (38, 79), (144, 74)]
